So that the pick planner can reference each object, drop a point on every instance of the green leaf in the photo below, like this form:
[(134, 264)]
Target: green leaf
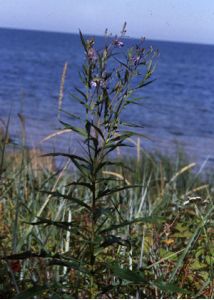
[(72, 116), (181, 227), (131, 125), (25, 255), (169, 287), (136, 99), (126, 274), (82, 94), (120, 137), (123, 64), (116, 146), (112, 239), (169, 255), (133, 102), (197, 265), (32, 292), (111, 163), (71, 156), (150, 219), (78, 99), (73, 264), (98, 131), (190, 243), (182, 234), (69, 197), (76, 183), (79, 130), (82, 40), (134, 133), (47, 222), (74, 158), (144, 83), (108, 192), (210, 259), (126, 76)]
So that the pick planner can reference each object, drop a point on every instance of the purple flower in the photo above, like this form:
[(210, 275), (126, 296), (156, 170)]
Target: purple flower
[(93, 83), (117, 43), (98, 82), (92, 55), (136, 60), (103, 83)]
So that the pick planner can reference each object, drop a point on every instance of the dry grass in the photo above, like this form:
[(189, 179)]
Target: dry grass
[(33, 160)]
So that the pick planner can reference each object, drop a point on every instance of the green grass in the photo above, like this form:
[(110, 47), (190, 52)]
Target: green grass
[(112, 227), (170, 254)]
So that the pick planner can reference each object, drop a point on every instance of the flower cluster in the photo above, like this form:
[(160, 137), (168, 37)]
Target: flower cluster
[(136, 59), (98, 82), (117, 43), (92, 55), (91, 52)]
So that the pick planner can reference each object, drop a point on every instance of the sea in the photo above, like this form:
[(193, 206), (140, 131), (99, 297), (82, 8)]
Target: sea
[(177, 108)]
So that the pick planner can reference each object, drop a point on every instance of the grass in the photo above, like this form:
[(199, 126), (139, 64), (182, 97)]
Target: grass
[(174, 253), (113, 226)]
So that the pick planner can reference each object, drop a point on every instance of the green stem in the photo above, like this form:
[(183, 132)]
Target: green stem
[(92, 257)]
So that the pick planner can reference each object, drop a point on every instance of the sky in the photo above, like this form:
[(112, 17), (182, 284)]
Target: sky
[(170, 20)]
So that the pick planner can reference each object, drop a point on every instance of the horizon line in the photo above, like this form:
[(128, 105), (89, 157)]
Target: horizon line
[(100, 35)]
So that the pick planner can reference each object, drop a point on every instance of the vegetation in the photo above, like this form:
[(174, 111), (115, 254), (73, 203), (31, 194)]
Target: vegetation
[(113, 227)]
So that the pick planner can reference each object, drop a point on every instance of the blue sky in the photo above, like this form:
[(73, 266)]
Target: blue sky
[(173, 20)]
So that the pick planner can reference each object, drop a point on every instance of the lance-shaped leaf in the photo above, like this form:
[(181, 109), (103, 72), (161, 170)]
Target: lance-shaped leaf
[(112, 147), (76, 183), (73, 264), (109, 178), (71, 156), (94, 147), (72, 116), (113, 164), (133, 102), (126, 76), (150, 219), (98, 130), (55, 259), (69, 197), (123, 64), (78, 130), (119, 137), (134, 133), (75, 159), (136, 100), (82, 94), (47, 222), (126, 274), (108, 192), (82, 40), (131, 125), (112, 239), (25, 255), (169, 287), (78, 99), (144, 83)]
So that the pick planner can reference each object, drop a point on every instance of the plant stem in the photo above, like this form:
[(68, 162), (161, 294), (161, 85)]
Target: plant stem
[(92, 257)]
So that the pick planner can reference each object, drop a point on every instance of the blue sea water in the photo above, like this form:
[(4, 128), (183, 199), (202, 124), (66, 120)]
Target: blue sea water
[(177, 109)]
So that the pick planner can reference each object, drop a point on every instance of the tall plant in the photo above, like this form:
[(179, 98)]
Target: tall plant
[(111, 77)]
